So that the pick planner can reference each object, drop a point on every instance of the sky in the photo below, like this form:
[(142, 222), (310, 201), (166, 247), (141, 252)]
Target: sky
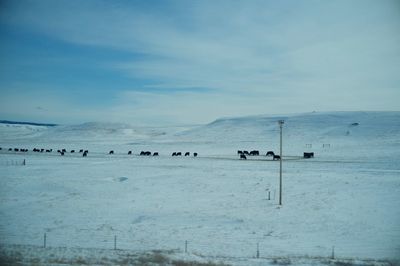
[(191, 62)]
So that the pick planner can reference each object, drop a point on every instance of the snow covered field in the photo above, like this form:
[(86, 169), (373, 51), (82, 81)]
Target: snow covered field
[(347, 198)]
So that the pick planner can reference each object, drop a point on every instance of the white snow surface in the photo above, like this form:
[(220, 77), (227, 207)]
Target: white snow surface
[(347, 198)]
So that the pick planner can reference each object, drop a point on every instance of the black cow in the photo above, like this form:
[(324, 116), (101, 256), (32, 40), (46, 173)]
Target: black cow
[(129, 152), (16, 149), (173, 154), (141, 153), (111, 152), (64, 150), (187, 154), (62, 153), (254, 153), (195, 154), (72, 151), (147, 153), (9, 149), (87, 151), (276, 157), (179, 154), (243, 157), (245, 152), (308, 155), (239, 152), (270, 153), (41, 150), (155, 154), (80, 151), (84, 154)]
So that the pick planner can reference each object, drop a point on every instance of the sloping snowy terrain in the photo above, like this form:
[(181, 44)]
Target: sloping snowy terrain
[(345, 199)]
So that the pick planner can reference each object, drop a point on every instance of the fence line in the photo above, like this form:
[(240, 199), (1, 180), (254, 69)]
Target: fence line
[(228, 247), (20, 162)]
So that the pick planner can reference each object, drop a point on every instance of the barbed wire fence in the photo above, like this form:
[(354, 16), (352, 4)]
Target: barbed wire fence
[(226, 248), (12, 162)]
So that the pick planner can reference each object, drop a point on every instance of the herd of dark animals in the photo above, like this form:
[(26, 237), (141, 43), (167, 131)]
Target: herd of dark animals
[(85, 152), (242, 154)]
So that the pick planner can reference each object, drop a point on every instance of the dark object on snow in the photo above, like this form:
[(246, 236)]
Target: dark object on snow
[(239, 152), (155, 154), (195, 154), (179, 154), (270, 153), (243, 157), (80, 151), (72, 151), (111, 152), (62, 153), (129, 152), (173, 154), (355, 124), (308, 155), (84, 154), (245, 152), (9, 149), (187, 154), (276, 157), (147, 153), (254, 153), (16, 149)]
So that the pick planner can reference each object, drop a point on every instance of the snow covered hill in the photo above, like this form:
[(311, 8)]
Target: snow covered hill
[(345, 199)]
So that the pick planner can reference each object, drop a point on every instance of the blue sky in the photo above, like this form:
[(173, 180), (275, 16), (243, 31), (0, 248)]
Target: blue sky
[(189, 62)]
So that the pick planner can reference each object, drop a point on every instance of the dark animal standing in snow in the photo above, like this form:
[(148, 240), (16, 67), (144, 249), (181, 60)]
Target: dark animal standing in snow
[(84, 154), (155, 154), (141, 153), (245, 152), (62, 153), (16, 149), (179, 154), (9, 149), (254, 153), (41, 150), (308, 155), (72, 151), (80, 151), (111, 152), (173, 154), (243, 157), (239, 152), (270, 153), (276, 157), (129, 152), (187, 154), (195, 154), (63, 150)]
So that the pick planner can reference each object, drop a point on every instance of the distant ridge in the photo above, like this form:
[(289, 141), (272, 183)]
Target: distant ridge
[(26, 123)]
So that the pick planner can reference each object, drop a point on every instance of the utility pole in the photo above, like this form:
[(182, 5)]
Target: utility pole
[(281, 122)]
